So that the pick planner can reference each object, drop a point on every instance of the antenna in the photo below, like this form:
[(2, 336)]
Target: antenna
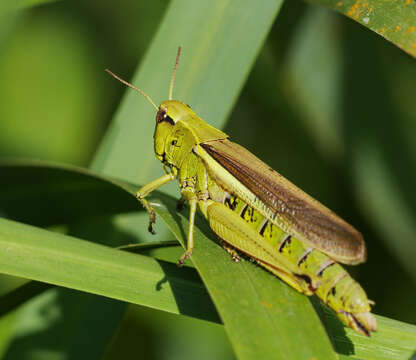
[(141, 92), (172, 79)]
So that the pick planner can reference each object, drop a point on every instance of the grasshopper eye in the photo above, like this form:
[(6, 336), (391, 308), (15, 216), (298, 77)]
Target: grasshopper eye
[(162, 116)]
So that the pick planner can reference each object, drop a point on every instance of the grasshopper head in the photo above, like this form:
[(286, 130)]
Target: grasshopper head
[(165, 136), (178, 128)]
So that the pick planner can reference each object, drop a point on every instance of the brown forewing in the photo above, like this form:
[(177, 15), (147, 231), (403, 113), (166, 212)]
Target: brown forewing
[(310, 221)]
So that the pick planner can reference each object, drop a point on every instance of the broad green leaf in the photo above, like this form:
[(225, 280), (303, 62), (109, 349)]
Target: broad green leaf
[(70, 262), (394, 20)]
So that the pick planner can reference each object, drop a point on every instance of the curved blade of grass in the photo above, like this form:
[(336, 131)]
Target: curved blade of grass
[(394, 20), (75, 263), (70, 262), (142, 280)]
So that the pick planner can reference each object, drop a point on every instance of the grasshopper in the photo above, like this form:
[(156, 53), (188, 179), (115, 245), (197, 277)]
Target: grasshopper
[(255, 211)]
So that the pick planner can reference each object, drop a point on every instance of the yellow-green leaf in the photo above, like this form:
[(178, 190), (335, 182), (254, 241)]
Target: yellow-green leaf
[(394, 20)]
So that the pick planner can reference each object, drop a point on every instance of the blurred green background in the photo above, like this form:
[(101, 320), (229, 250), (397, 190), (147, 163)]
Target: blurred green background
[(329, 104)]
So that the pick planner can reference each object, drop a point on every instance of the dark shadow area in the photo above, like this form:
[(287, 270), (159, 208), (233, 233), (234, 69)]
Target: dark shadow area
[(191, 296), (334, 327), (41, 194), (196, 303), (13, 299)]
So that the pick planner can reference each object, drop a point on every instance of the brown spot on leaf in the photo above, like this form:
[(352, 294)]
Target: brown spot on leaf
[(353, 8), (266, 304)]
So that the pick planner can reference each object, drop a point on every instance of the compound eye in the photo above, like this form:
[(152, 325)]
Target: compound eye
[(161, 113), (162, 116)]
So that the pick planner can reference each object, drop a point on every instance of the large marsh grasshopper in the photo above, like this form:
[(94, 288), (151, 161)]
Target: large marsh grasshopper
[(257, 212)]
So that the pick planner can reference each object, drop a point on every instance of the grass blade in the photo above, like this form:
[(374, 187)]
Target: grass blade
[(394, 20), (70, 262)]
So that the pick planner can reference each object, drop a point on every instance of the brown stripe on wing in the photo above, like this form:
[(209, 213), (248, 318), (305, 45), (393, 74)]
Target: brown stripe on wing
[(310, 221)]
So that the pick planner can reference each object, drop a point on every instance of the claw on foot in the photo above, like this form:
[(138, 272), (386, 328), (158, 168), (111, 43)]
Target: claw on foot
[(150, 228), (152, 220), (232, 251), (180, 204), (184, 257), (235, 258)]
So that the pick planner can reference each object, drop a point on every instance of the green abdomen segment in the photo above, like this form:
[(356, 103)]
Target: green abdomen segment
[(335, 287)]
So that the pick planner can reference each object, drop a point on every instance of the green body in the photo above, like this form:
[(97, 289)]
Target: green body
[(246, 224)]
